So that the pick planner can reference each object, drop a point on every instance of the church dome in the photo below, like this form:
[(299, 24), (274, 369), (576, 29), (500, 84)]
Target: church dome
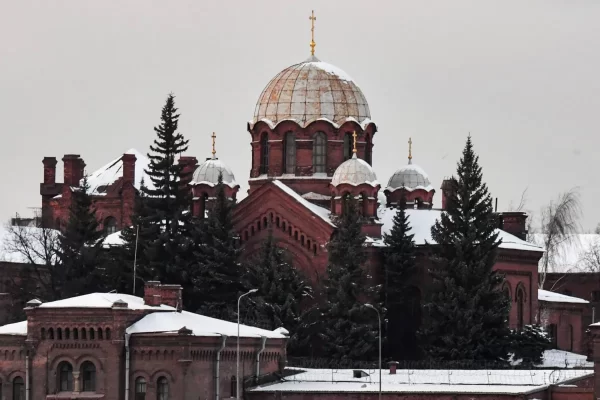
[(354, 171), (309, 91), (410, 177), (208, 173)]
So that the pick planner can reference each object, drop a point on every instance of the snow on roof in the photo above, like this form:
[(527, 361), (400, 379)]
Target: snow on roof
[(564, 359), (112, 171), (546, 295), (114, 239), (425, 381), (410, 177), (200, 325), (572, 255), (32, 250), (421, 222), (323, 213), (104, 300), (18, 329)]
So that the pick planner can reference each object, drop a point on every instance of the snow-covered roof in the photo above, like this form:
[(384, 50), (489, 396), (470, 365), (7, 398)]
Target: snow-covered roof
[(208, 173), (564, 359), (354, 171), (425, 381), (33, 248), (111, 172), (546, 295), (323, 213), (104, 300), (17, 329), (578, 254), (114, 239), (200, 325), (421, 222), (315, 196), (411, 177)]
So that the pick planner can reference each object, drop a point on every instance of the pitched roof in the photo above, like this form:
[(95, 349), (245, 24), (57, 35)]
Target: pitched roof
[(111, 172), (321, 212), (17, 329), (553, 297), (104, 300)]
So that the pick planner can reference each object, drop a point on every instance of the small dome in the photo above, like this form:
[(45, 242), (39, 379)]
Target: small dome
[(354, 172), (208, 173), (311, 90), (411, 177)]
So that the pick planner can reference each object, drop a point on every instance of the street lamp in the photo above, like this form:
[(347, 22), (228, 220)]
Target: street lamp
[(379, 319), (237, 364)]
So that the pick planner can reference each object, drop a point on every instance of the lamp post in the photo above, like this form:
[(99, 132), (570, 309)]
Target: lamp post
[(237, 363), (379, 320)]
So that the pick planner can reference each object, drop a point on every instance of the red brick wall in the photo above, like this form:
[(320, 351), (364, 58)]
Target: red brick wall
[(392, 396), (567, 317)]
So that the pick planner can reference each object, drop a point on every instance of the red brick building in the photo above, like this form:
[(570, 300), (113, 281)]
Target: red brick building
[(118, 346)]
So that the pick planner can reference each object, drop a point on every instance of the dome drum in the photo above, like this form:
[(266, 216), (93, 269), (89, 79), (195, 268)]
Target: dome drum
[(204, 185), (412, 182)]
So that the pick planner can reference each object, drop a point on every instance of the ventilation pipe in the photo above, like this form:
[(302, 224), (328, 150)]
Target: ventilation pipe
[(263, 344), (127, 366), (218, 368)]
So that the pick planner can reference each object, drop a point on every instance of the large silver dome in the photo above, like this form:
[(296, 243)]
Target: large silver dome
[(208, 173), (410, 177)]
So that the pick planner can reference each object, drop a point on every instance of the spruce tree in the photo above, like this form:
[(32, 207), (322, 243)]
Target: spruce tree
[(282, 291), (350, 329), (80, 268), (216, 273), (467, 315), (166, 224), (400, 269)]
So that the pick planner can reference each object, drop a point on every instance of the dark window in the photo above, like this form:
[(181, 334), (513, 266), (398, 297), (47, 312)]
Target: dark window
[(59, 333), (290, 153), (83, 334), (570, 333), (264, 154), (75, 333), (162, 389), (110, 225), (520, 308), (50, 333), (88, 377), (348, 146), (553, 333), (67, 334), (65, 377), (596, 295), (91, 333), (18, 388), (319, 152), (368, 150), (345, 200), (233, 390), (140, 388)]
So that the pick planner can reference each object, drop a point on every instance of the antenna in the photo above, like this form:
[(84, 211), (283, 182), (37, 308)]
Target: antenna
[(137, 235)]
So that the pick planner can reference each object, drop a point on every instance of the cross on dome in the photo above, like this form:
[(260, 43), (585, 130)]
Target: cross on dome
[(410, 150), (312, 19), (214, 152)]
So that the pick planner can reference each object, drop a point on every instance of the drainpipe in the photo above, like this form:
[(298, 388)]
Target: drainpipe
[(127, 366), (27, 386), (263, 344), (218, 367)]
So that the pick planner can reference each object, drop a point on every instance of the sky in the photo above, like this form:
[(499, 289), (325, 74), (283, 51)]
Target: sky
[(90, 78)]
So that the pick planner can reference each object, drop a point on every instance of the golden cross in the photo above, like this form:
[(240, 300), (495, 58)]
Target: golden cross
[(354, 136), (312, 33), (409, 148), (214, 137)]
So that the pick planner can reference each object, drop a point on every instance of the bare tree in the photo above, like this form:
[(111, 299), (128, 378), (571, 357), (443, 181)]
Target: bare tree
[(590, 260), (559, 224), (522, 203)]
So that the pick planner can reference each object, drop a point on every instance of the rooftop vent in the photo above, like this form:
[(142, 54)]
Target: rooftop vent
[(359, 373), (119, 304), (185, 331), (33, 303)]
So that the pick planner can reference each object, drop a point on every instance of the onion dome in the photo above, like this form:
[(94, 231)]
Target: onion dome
[(208, 173), (409, 177), (309, 91), (354, 171)]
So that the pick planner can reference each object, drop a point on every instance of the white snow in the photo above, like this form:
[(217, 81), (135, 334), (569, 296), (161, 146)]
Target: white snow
[(570, 256), (421, 222), (18, 329), (546, 295), (564, 359), (104, 300), (336, 125), (114, 239), (200, 325), (112, 171), (323, 213), (315, 196), (33, 248), (332, 70), (425, 381)]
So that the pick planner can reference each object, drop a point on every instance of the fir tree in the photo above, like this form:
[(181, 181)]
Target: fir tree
[(217, 272), (79, 268), (467, 313), (350, 329), (282, 291), (166, 221), (529, 344), (398, 294)]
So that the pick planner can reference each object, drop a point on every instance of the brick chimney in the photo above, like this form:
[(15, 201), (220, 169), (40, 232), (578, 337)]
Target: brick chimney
[(129, 168), (49, 170), (393, 367), (447, 187), (73, 169), (514, 223), (156, 294)]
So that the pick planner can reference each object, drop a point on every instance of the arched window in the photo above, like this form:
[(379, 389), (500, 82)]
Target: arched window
[(110, 225), (75, 333), (348, 146), (59, 334), (368, 149), (65, 377), (290, 153), (91, 333), (553, 333), (162, 389), (319, 152), (345, 201), (233, 389), (67, 334), (264, 154), (506, 291), (83, 334), (100, 333), (520, 300), (88, 377), (51, 333), (570, 333), (18, 388), (140, 388)]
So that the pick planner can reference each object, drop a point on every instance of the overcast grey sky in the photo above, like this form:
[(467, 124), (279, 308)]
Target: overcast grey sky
[(90, 77)]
